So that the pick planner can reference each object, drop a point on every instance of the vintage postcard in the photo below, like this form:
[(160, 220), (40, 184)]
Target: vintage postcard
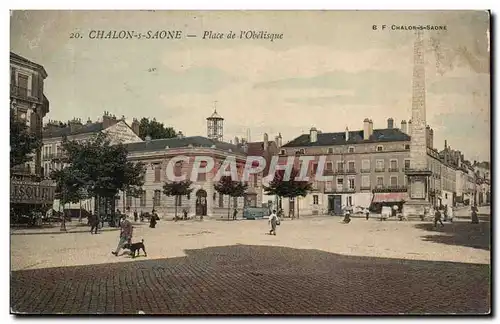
[(250, 162)]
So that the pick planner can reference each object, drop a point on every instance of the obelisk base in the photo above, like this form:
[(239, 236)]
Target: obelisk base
[(415, 209)]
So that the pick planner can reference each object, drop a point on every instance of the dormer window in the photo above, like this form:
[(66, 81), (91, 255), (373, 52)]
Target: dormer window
[(282, 152), (299, 152), (407, 146), (330, 150), (380, 148), (351, 149)]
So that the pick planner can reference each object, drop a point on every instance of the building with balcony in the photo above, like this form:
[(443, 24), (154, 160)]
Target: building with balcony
[(29, 103), (366, 168)]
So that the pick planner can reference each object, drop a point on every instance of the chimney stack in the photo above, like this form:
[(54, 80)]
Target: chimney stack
[(266, 141), (445, 144), (371, 127), (428, 136), (236, 140), (108, 120), (346, 134), (409, 127), (431, 140), (75, 124), (313, 135), (135, 126), (89, 121), (404, 126), (390, 123), (366, 129)]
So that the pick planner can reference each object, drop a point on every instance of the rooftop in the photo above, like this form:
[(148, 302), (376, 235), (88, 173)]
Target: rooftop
[(355, 137), (14, 56), (194, 141), (67, 131)]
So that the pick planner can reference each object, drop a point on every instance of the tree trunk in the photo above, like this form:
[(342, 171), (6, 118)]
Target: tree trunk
[(175, 207), (63, 224), (297, 200), (80, 216), (123, 202), (228, 207)]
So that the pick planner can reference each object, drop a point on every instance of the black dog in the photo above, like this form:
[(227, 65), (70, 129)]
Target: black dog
[(135, 247)]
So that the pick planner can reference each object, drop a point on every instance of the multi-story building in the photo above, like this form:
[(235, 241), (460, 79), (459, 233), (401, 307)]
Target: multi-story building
[(28, 102), (366, 168), (55, 131)]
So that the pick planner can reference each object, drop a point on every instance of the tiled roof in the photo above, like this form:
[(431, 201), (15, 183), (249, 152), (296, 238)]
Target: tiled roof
[(355, 137), (66, 131), (195, 141)]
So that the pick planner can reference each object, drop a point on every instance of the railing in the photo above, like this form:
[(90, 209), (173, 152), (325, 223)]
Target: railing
[(381, 188), (365, 170), (393, 169), (366, 188), (379, 169), (351, 171), (25, 93)]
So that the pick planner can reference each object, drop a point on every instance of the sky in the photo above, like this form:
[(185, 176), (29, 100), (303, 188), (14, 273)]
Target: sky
[(330, 70)]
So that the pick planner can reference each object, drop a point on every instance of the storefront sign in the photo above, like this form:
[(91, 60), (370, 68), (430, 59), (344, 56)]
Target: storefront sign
[(31, 193)]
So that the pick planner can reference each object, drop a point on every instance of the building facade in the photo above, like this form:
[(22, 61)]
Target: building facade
[(29, 103)]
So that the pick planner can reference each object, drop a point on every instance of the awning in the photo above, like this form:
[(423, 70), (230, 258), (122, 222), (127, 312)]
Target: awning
[(380, 197)]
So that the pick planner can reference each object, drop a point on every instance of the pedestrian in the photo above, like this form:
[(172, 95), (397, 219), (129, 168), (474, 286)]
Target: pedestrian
[(273, 220), (235, 212), (185, 213), (450, 214), (94, 223), (347, 217), (135, 215), (118, 216), (445, 212), (103, 218), (437, 218), (153, 219), (475, 219), (126, 230), (367, 213)]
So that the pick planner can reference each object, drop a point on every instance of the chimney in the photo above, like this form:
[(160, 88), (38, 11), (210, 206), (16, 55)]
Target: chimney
[(313, 135), (108, 120), (135, 126), (445, 144), (236, 141), (409, 127), (180, 135), (266, 142), (431, 139), (89, 121), (370, 129), (75, 124), (280, 139), (366, 129), (404, 126), (390, 123), (346, 134)]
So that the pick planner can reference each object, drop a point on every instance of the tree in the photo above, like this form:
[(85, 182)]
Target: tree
[(288, 189), (154, 129), (68, 189), (226, 186), (177, 189), (102, 169), (22, 141)]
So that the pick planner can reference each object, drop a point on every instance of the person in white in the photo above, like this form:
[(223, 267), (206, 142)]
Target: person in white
[(273, 220)]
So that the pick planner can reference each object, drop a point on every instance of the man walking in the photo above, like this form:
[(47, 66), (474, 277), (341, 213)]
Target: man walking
[(125, 233), (273, 220), (94, 223), (437, 218), (235, 212)]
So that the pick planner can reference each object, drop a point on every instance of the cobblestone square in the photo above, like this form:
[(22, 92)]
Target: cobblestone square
[(313, 266)]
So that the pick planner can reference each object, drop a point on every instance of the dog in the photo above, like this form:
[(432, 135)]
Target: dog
[(135, 247)]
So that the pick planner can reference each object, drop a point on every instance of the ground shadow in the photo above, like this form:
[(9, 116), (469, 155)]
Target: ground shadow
[(245, 279), (459, 233)]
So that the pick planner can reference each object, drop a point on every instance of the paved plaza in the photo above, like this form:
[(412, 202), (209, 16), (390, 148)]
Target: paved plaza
[(314, 265)]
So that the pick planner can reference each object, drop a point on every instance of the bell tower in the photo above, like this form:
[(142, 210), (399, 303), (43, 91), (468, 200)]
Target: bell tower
[(215, 125)]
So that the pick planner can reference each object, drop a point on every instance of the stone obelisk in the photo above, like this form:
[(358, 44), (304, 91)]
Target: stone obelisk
[(418, 173)]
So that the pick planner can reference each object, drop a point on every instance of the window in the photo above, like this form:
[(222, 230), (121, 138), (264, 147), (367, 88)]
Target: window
[(255, 180), (366, 165), (329, 166), (349, 200), (178, 168), (380, 148), (282, 152), (407, 146), (380, 181), (365, 181), (315, 199), (301, 151), (394, 165), (314, 168), (215, 196), (235, 202), (340, 181), (143, 199), (188, 196), (340, 166), (351, 149), (156, 198), (351, 183), (407, 164), (157, 167), (22, 83), (394, 181), (330, 150), (221, 201), (351, 166), (445, 196), (202, 176), (380, 165)]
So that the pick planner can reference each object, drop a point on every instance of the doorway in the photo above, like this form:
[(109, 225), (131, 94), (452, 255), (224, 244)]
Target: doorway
[(201, 203)]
